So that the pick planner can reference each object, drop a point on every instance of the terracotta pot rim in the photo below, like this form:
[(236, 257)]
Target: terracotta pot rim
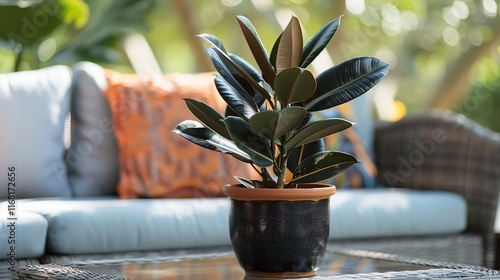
[(305, 192)]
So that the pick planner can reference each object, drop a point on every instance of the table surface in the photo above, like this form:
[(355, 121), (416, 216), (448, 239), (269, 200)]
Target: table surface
[(337, 264)]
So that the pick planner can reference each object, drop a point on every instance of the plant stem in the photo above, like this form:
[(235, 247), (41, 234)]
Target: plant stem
[(282, 176), (281, 182)]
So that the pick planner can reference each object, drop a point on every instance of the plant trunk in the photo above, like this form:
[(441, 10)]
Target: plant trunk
[(281, 182)]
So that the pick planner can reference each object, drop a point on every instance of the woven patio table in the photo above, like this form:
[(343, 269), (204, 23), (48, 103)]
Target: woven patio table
[(339, 263)]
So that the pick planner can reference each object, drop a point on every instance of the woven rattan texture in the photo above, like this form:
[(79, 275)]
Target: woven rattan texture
[(134, 257), (446, 270), (463, 248), (441, 273), (415, 261), (8, 272), (59, 272), (445, 151)]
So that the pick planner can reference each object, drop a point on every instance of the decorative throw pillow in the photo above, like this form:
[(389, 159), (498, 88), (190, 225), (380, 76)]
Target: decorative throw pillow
[(92, 158), (154, 161), (33, 107), (357, 141)]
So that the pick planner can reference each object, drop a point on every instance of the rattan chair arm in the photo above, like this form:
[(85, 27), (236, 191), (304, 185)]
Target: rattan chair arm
[(444, 151)]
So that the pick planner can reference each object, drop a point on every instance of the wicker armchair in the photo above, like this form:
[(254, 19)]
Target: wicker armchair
[(445, 151)]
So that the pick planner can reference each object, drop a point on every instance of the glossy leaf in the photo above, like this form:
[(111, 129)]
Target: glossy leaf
[(300, 153), (257, 147), (345, 82), (293, 85), (290, 47), (227, 71), (225, 57), (274, 124), (322, 166), (230, 112), (318, 42), (230, 148), (290, 118), (256, 75), (307, 120), (267, 87), (214, 40), (257, 48), (260, 101), (241, 103), (264, 123), (208, 116), (196, 133), (245, 182), (274, 51), (317, 130), (200, 135)]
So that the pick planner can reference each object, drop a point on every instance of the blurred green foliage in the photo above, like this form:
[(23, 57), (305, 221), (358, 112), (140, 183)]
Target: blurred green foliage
[(45, 32), (483, 102), (27, 22)]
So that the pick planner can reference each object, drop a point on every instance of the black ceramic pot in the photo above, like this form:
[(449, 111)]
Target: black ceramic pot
[(279, 238)]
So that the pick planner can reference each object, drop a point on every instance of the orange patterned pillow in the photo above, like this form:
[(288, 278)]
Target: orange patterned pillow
[(154, 161)]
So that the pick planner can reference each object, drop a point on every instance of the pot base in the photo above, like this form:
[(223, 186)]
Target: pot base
[(261, 274)]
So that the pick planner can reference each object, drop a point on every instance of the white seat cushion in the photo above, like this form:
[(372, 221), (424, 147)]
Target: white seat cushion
[(113, 225), (385, 212), (86, 225), (26, 234)]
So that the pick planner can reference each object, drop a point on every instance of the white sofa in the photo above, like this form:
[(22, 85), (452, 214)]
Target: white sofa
[(68, 209)]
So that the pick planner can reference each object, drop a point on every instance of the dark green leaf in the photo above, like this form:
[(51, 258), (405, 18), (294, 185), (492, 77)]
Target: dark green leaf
[(322, 166), (290, 117), (214, 41), (345, 82), (290, 47), (274, 124), (260, 101), (208, 116), (302, 152), (200, 135), (319, 41), (227, 71), (307, 120), (293, 85), (257, 48), (316, 130), (274, 51), (196, 133), (256, 75), (245, 182), (231, 149), (257, 147), (241, 103), (264, 123), (225, 57)]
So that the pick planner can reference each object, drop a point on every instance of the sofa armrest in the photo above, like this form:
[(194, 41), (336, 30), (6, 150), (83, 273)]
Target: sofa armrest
[(445, 151)]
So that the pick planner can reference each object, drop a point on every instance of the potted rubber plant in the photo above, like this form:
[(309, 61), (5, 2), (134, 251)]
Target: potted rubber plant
[(280, 227)]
